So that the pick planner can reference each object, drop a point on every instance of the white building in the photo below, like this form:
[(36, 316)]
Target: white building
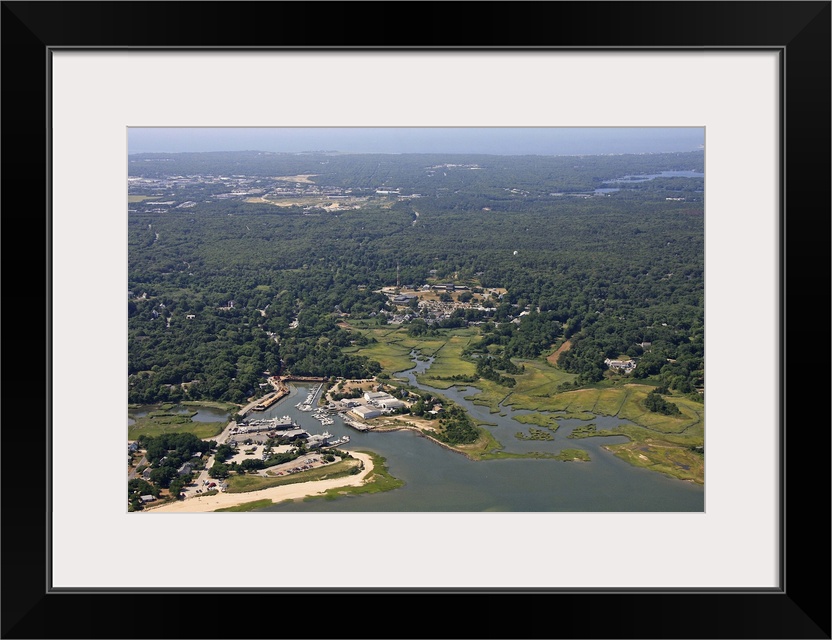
[(365, 413), (316, 441), (621, 365)]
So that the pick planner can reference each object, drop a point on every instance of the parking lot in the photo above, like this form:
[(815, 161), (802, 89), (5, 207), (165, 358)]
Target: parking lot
[(304, 463)]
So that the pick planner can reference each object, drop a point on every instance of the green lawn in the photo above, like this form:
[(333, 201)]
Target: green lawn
[(156, 425)]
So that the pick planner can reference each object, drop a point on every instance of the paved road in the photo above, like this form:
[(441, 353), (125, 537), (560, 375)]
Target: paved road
[(132, 474), (203, 479)]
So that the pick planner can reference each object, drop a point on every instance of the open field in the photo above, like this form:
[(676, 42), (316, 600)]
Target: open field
[(553, 357), (323, 202), (156, 425), (224, 406), (135, 199), (302, 178), (404, 420), (573, 455), (673, 460), (633, 409), (288, 201), (449, 362), (393, 346), (609, 402)]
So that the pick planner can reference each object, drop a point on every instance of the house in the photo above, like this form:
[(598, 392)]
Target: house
[(622, 365), (147, 498), (185, 469)]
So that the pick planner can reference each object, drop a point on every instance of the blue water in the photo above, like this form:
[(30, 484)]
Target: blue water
[(203, 414), (440, 480), (644, 177)]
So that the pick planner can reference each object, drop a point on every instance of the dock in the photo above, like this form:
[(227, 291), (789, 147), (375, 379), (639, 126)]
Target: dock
[(358, 426), (281, 391), (306, 405)]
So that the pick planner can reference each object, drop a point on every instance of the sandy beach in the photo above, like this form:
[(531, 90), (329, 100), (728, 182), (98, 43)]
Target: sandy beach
[(275, 494)]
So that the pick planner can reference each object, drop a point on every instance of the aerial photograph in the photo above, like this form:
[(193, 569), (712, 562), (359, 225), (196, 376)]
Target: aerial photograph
[(415, 319)]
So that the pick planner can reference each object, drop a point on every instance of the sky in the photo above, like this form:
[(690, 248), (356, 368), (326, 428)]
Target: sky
[(492, 140)]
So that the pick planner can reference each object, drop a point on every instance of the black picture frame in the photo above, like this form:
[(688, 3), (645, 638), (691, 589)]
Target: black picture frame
[(799, 31)]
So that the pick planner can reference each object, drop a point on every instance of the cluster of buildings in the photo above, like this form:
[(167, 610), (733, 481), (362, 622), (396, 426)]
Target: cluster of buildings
[(374, 404), (242, 187), (429, 308)]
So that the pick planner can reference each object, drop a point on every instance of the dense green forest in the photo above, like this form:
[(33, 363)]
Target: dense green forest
[(240, 263)]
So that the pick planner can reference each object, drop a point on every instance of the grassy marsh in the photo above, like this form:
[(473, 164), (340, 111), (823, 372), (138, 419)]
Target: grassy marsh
[(664, 441)]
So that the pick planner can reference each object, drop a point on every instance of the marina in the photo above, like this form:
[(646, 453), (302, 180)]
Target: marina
[(306, 405), (438, 479), (266, 424), (268, 401), (322, 416)]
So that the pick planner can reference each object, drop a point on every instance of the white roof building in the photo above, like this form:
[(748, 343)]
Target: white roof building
[(377, 395), (366, 413)]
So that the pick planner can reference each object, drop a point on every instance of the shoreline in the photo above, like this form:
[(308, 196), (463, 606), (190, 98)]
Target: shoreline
[(205, 504)]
